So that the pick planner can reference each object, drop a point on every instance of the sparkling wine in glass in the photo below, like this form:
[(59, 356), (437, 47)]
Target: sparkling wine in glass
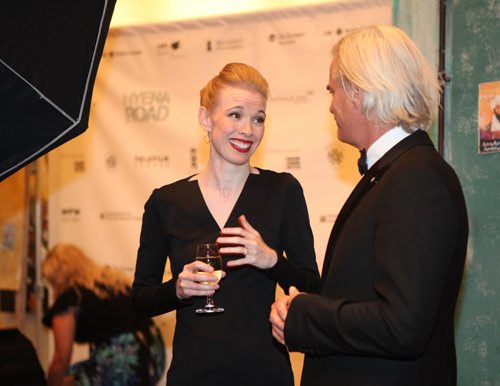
[(209, 254)]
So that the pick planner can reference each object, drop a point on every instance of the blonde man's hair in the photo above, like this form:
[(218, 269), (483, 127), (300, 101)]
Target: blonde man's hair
[(399, 85), (67, 266), (234, 75)]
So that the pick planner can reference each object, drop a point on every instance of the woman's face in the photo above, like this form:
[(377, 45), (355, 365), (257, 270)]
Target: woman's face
[(236, 124)]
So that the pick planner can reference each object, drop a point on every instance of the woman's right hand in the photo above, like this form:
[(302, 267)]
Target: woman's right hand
[(63, 328), (189, 281)]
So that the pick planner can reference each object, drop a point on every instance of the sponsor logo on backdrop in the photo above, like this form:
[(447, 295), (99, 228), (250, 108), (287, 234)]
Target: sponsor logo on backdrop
[(111, 162), (112, 54), (295, 99), (79, 166), (119, 216), (194, 158), (146, 106), (338, 32), (70, 214), (288, 156), (227, 44), (328, 218), (293, 162), (170, 49), (151, 161), (75, 161), (335, 156), (285, 37)]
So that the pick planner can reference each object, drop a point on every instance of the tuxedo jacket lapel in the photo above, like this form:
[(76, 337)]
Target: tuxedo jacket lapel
[(369, 180), (357, 194)]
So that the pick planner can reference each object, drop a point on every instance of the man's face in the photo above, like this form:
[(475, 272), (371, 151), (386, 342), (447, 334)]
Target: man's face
[(343, 109)]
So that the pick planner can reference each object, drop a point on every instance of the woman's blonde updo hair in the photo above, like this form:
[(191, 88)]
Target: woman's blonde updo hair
[(67, 266), (234, 75), (400, 86)]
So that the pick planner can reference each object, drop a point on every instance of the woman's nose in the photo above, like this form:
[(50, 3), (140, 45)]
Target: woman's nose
[(246, 128)]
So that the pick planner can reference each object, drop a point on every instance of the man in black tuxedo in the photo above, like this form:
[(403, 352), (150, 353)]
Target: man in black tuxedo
[(395, 258)]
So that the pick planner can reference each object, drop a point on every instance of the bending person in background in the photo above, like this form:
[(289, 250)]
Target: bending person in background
[(234, 347), (93, 305), (396, 254)]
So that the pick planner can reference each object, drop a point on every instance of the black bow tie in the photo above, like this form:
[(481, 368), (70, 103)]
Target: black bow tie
[(362, 166)]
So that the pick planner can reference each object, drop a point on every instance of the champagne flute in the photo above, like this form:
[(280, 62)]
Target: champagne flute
[(209, 254)]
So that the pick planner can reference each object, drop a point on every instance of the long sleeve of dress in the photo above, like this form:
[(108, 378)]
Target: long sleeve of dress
[(150, 295), (299, 267)]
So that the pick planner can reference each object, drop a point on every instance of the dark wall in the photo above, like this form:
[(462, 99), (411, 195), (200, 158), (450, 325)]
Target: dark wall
[(473, 57)]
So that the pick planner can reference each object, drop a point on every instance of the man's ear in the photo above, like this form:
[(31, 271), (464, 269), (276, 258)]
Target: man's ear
[(357, 97), (204, 119)]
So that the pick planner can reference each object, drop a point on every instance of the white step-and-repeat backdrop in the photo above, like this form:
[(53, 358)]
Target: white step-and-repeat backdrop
[(143, 130)]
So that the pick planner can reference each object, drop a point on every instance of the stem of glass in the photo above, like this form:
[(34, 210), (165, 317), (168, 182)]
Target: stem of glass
[(210, 302)]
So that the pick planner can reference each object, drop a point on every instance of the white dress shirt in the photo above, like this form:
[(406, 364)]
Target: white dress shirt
[(385, 143)]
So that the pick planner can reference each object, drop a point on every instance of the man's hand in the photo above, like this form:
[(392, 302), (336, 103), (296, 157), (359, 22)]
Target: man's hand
[(279, 312)]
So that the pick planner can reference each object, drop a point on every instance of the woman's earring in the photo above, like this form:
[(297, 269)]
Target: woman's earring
[(206, 138)]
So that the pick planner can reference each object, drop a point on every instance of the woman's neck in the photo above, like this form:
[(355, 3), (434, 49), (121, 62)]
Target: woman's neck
[(228, 180)]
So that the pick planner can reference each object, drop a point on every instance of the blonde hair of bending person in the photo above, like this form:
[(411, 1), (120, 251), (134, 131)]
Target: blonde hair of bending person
[(67, 266), (234, 75), (399, 85)]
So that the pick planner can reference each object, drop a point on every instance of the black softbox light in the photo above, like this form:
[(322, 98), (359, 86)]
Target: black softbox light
[(49, 54)]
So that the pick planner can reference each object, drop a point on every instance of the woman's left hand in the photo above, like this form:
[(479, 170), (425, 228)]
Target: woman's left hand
[(245, 240)]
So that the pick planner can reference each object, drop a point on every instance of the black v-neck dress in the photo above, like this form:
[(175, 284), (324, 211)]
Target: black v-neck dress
[(234, 347)]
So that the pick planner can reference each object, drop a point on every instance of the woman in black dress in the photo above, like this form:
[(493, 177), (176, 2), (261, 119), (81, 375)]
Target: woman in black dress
[(234, 347), (93, 305)]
